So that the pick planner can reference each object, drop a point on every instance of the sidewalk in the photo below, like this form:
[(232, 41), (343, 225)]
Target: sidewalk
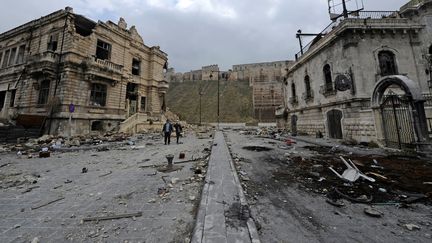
[(223, 214)]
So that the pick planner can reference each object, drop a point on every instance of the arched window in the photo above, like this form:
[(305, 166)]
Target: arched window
[(293, 90), (387, 63), (308, 87), (328, 78), (44, 92)]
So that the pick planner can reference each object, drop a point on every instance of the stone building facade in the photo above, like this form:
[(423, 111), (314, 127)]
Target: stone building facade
[(365, 78), (72, 75), (260, 72)]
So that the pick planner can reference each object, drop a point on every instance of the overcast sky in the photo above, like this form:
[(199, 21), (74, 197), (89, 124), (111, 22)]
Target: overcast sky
[(196, 33)]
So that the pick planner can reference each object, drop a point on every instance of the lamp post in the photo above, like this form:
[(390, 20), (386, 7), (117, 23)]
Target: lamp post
[(200, 95), (218, 94)]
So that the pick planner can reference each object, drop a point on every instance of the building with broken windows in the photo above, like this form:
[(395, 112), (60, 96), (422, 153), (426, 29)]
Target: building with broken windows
[(69, 75), (366, 77)]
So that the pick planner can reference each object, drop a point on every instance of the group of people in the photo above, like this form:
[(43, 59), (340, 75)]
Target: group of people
[(168, 129)]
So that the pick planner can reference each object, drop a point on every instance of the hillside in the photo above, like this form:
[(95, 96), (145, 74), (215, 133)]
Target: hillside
[(235, 101)]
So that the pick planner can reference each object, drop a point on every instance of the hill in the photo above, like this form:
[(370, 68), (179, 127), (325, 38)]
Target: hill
[(235, 101)]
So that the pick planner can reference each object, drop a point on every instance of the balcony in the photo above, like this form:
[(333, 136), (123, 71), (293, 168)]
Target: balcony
[(43, 64), (102, 69), (293, 100), (327, 90), (428, 100), (308, 96)]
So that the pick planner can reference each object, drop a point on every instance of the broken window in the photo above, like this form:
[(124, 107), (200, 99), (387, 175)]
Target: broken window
[(44, 92), (2, 99), (20, 57), (83, 26), (328, 78), (97, 126), (136, 66), (98, 94), (387, 63), (12, 98), (12, 56), (103, 50), (308, 87), (52, 42), (5, 58), (143, 103)]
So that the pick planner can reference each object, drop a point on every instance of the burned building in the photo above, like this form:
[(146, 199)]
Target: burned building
[(365, 77), (70, 75)]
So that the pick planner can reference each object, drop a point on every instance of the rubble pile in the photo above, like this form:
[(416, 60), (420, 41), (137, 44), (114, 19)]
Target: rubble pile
[(394, 180)]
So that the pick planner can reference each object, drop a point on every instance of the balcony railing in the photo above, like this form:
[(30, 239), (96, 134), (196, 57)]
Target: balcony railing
[(357, 15), (108, 64), (327, 90), (428, 100), (293, 100)]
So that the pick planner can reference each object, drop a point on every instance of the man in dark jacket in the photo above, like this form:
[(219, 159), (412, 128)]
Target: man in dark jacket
[(178, 130), (167, 130)]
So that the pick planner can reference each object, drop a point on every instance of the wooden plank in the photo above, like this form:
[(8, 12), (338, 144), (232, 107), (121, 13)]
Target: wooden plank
[(118, 216), (47, 203)]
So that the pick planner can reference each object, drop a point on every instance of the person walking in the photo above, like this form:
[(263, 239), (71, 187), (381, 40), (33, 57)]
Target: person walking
[(167, 130), (178, 129)]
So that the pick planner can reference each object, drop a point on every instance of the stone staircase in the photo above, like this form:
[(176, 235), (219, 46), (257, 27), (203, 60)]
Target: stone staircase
[(140, 122)]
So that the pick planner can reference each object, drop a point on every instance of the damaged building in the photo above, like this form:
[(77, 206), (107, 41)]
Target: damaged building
[(66, 74), (366, 77)]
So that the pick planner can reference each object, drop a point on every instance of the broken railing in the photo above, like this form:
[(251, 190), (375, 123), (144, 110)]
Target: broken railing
[(354, 15)]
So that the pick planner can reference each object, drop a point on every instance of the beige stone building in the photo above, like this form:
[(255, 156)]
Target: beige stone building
[(366, 77), (260, 72), (71, 75)]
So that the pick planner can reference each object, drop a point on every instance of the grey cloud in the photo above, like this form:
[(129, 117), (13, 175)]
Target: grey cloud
[(193, 39)]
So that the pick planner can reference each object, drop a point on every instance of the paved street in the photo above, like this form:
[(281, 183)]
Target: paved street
[(123, 180)]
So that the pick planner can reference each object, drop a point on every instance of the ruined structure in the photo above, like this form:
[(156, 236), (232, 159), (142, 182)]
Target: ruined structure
[(366, 77), (260, 72), (71, 75)]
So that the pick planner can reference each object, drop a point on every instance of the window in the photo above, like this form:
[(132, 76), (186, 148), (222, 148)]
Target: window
[(44, 92), (98, 94), (293, 90), (5, 58), (97, 126), (52, 42), (12, 56), (1, 58), (12, 98), (143, 103), (136, 66), (328, 78), (308, 87), (103, 50), (2, 99), (387, 63), (20, 57)]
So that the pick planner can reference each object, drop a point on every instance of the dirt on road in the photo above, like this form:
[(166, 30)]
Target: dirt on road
[(295, 197)]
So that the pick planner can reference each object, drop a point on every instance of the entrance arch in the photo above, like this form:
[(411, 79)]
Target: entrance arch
[(334, 124), (294, 119), (398, 107)]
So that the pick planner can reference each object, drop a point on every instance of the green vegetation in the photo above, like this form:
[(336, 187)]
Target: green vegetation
[(235, 101)]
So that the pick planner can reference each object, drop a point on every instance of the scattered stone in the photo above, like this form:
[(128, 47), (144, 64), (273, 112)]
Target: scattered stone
[(35, 240), (84, 170), (17, 226), (373, 212), (411, 227), (192, 198)]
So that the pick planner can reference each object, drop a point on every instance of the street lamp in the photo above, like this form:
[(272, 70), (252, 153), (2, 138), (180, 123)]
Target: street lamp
[(200, 95), (218, 94)]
